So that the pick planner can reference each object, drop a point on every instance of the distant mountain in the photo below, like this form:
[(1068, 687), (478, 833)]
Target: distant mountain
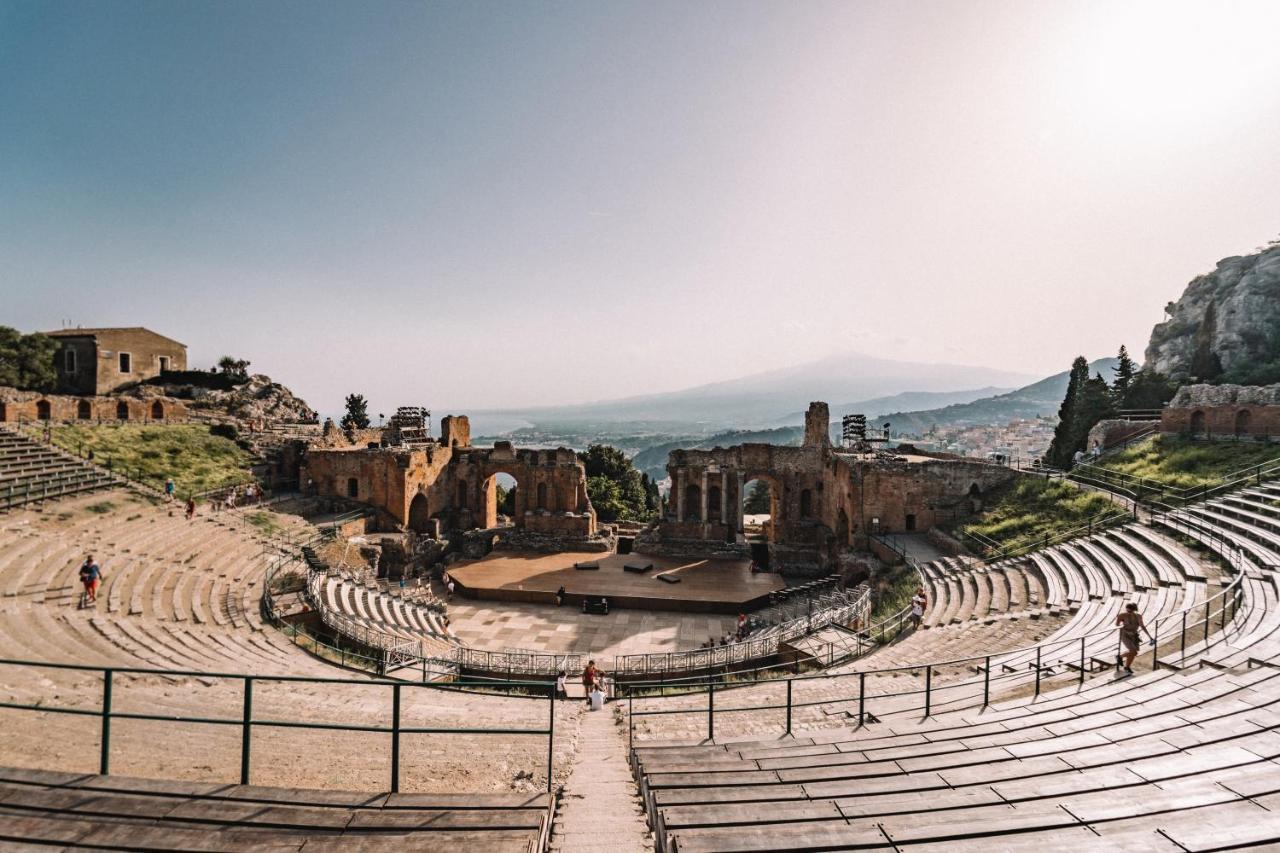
[(653, 460), (1036, 400), (906, 401), (762, 399)]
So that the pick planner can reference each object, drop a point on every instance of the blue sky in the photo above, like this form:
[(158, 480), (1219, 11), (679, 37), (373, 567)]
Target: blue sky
[(488, 204)]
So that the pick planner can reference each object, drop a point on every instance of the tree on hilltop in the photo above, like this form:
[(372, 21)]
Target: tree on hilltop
[(235, 369), (1061, 449), (26, 361), (357, 416), (1125, 371)]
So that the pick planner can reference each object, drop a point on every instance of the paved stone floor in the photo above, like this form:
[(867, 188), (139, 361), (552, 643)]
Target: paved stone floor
[(543, 628)]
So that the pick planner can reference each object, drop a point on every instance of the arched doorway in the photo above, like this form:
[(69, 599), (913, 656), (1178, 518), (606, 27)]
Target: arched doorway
[(419, 513), (84, 411), (1197, 422), (503, 504), (692, 503), (122, 411), (157, 411), (1242, 422), (44, 411), (714, 499), (761, 508)]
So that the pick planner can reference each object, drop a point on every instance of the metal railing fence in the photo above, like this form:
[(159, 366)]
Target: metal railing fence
[(247, 722), (1050, 657)]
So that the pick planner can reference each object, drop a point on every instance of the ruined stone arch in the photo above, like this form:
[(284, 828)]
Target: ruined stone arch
[(419, 513)]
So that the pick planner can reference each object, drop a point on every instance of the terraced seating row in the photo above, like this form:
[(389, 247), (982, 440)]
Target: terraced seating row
[(1174, 758), (1060, 579), (31, 472), (121, 812), (176, 594)]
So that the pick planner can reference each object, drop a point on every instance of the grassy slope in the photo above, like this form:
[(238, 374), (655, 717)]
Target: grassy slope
[(1183, 463), (194, 459), (1030, 508)]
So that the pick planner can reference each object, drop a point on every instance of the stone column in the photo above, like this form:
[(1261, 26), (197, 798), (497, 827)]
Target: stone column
[(680, 495), (703, 518), (724, 498), (738, 507)]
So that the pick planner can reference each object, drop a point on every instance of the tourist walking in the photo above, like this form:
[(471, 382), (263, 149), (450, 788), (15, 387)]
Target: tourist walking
[(589, 676), (918, 602), (91, 577), (1130, 622)]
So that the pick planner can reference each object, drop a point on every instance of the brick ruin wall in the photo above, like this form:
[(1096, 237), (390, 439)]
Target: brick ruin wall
[(450, 485), (823, 502), (18, 406), (1224, 410)]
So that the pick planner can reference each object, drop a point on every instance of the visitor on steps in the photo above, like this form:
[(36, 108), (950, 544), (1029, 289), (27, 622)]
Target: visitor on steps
[(1130, 622), (90, 576), (589, 676), (917, 608)]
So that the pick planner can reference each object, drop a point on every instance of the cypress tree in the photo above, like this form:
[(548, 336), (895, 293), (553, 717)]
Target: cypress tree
[(1062, 447), (1125, 371)]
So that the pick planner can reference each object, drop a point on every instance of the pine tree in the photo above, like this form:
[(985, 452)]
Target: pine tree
[(1125, 371), (1061, 448), (357, 416)]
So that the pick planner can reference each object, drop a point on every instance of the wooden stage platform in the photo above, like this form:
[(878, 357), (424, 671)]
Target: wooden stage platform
[(706, 586)]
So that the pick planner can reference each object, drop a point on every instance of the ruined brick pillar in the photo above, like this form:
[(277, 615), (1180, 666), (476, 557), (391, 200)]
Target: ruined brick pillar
[(817, 426), (703, 518)]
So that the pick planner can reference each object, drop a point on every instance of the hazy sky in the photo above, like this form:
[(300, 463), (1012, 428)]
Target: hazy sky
[(501, 204)]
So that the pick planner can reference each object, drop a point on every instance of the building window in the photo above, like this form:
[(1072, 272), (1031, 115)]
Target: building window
[(69, 360), (126, 363)]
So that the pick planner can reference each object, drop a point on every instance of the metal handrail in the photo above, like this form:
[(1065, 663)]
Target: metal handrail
[(247, 722), (1229, 598)]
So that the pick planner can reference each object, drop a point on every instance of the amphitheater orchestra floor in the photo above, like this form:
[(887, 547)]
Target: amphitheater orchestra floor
[(709, 586)]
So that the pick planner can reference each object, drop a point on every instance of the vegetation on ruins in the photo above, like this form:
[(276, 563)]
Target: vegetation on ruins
[(1089, 400), (26, 361), (1031, 509), (195, 458), (235, 369), (617, 490), (357, 416), (757, 502), (1180, 462)]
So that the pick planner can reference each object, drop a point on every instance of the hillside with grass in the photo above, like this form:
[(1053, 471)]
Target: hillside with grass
[(194, 457), (1179, 462), (1030, 510)]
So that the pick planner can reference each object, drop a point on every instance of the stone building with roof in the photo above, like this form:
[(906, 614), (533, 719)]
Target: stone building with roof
[(101, 361)]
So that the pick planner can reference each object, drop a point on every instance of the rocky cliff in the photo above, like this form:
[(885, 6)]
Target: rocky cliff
[(1232, 312)]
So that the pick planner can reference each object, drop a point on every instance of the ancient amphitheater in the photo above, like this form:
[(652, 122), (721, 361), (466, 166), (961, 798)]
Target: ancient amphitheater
[(184, 712)]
